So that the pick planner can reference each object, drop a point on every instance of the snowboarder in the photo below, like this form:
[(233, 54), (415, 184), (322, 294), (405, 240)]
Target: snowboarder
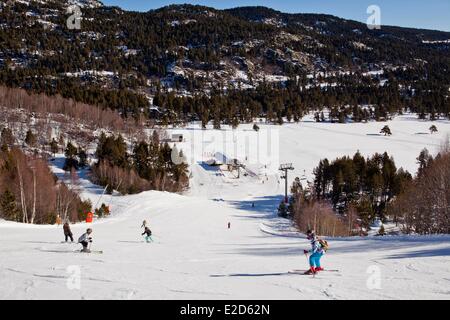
[(85, 239), (148, 235), (67, 232), (316, 253)]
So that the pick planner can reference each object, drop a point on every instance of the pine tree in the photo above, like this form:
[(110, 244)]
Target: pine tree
[(7, 137), (341, 117), (365, 211), (322, 117), (8, 206), (289, 115), (113, 150), (317, 117), (71, 153), (216, 121), (141, 157), (30, 138), (234, 122), (282, 209), (204, 120), (54, 148), (82, 156), (424, 160)]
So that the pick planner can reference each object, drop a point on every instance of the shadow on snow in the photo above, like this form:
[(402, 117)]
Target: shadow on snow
[(439, 252), (263, 205), (250, 274)]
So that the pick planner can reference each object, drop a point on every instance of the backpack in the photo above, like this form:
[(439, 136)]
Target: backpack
[(324, 244)]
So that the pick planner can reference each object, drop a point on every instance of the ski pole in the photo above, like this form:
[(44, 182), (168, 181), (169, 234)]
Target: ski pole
[(104, 190)]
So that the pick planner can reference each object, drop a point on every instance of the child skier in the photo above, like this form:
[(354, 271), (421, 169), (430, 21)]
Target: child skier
[(67, 232), (316, 252), (85, 239), (148, 235)]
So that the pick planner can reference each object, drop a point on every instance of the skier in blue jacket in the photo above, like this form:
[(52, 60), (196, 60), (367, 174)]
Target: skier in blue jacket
[(316, 253)]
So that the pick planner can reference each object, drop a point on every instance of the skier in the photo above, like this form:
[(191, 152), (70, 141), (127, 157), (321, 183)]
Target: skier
[(85, 239), (316, 253), (67, 232), (229, 225), (148, 234)]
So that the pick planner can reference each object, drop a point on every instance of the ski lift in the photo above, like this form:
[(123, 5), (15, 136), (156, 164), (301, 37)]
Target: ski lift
[(303, 177)]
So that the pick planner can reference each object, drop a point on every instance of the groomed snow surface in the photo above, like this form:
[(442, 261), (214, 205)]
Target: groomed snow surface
[(195, 256)]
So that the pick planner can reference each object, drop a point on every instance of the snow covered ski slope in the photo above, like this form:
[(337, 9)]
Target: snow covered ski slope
[(196, 256)]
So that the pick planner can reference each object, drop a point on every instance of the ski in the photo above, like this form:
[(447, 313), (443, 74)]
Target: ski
[(97, 251), (326, 270), (302, 272), (92, 251)]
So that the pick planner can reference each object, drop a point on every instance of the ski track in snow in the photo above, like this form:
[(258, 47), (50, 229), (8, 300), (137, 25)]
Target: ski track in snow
[(195, 255)]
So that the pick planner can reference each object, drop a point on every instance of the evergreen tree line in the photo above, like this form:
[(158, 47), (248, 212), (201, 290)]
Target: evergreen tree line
[(367, 184), (347, 194), (289, 103), (150, 166)]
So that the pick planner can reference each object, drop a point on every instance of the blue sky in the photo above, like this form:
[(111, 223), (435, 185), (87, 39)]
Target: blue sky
[(428, 14)]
